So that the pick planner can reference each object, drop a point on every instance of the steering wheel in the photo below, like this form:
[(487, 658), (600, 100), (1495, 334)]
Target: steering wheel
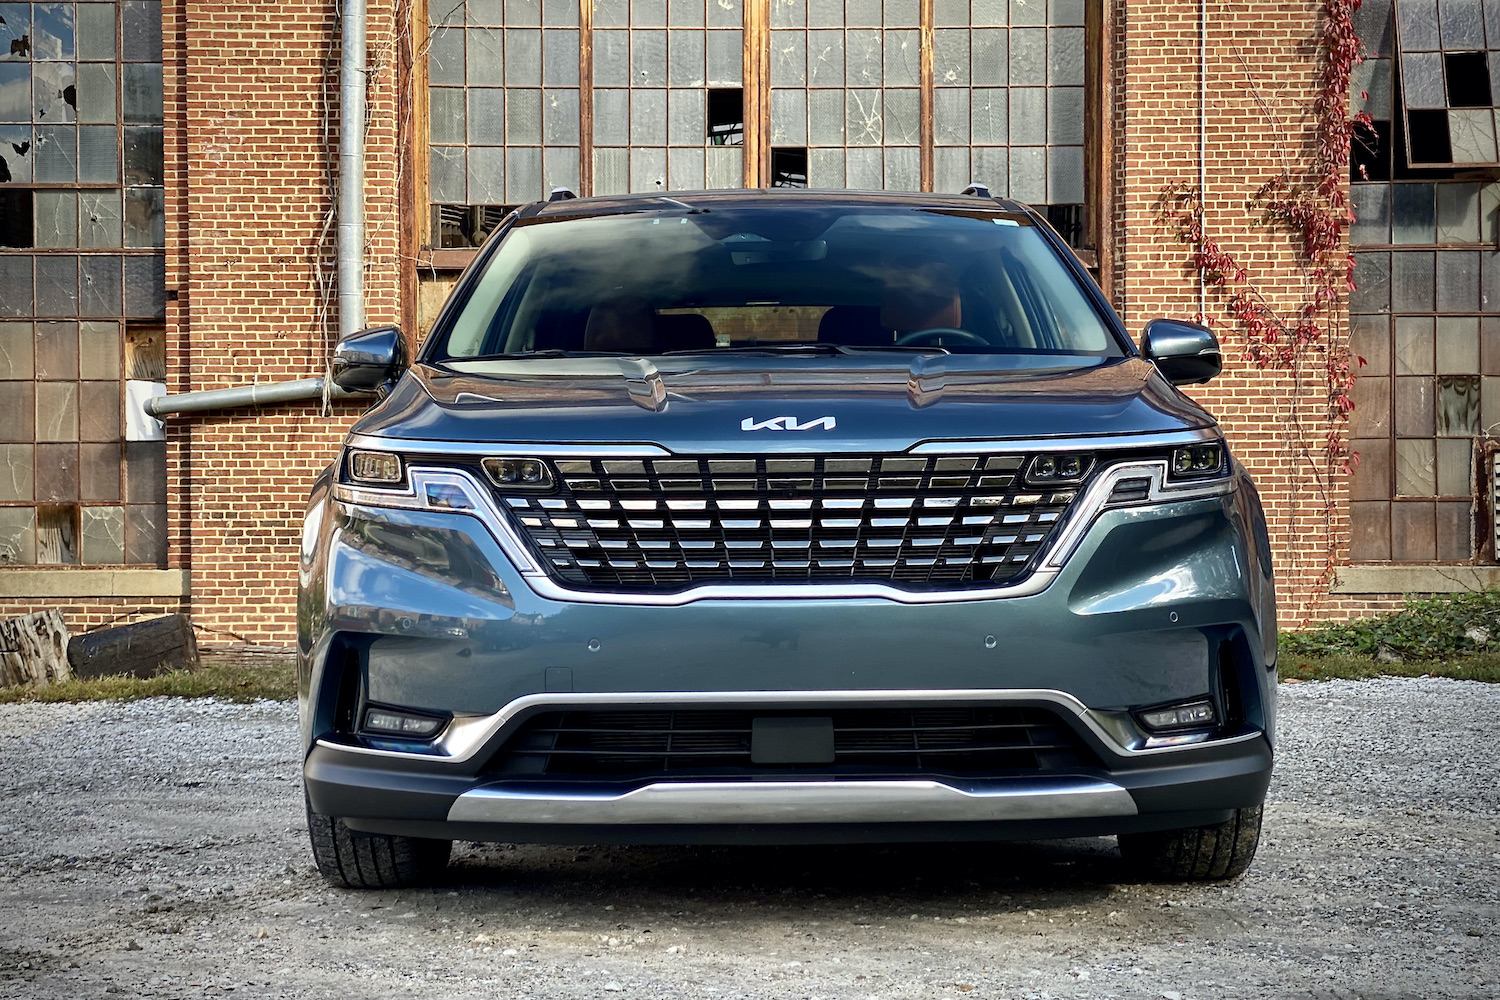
[(935, 333)]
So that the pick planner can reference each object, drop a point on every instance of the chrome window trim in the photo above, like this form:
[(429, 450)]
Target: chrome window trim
[(467, 735), (797, 802)]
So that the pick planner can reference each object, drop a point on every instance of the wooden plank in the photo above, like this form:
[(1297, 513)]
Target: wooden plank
[(927, 96), (34, 649), (144, 649)]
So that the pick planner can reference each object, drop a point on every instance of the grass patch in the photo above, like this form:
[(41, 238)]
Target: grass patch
[(1294, 667), (228, 677)]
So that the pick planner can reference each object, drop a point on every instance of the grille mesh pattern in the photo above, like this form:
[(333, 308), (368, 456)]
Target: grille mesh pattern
[(665, 524), (614, 743)]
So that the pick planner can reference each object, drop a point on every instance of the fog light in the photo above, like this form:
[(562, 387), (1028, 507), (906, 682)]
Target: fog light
[(1198, 461), (1058, 469), (374, 467), (527, 473), (1193, 715), (390, 722)]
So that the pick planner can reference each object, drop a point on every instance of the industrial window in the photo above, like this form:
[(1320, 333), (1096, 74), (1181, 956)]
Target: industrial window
[(1449, 56), (82, 288)]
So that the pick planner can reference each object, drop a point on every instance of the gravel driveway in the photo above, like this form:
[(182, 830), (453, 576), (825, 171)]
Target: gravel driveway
[(158, 849)]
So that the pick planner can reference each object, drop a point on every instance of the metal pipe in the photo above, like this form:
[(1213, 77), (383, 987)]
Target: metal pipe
[(351, 204), (242, 395)]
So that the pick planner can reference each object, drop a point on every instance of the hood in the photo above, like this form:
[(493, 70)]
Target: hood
[(730, 404)]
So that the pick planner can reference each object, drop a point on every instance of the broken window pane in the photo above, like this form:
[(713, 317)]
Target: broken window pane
[(1446, 79), (52, 31), (145, 217), (100, 219), (56, 154), (16, 351), (57, 286), (100, 287), (15, 153), (54, 93), (103, 535), (146, 534), (17, 228)]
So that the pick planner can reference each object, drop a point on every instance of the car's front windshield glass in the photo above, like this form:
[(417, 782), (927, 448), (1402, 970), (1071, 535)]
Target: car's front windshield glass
[(840, 279)]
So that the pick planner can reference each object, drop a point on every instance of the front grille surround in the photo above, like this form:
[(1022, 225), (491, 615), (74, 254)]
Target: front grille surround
[(670, 524)]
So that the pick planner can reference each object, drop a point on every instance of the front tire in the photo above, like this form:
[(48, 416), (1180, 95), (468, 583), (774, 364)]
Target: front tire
[(1197, 854), (349, 859)]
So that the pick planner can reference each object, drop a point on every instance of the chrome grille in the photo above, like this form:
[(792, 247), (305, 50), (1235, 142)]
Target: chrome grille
[(671, 523)]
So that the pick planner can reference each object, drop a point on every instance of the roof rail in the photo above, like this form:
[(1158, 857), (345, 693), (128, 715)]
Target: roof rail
[(978, 190), (562, 194)]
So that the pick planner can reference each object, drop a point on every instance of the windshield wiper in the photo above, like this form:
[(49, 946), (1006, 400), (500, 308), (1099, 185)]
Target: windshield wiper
[(810, 347)]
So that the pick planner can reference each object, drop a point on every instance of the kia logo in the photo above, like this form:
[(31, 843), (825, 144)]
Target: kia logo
[(787, 424)]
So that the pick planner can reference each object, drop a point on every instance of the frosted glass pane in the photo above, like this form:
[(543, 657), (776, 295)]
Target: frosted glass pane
[(825, 119), (145, 285), (1028, 57), (611, 13), (523, 175), (486, 57), (1028, 12), (1065, 175), (725, 166), (1372, 283), (486, 175), (863, 13), (1458, 213), (950, 59), (1412, 282), (685, 169), (685, 56), (15, 278), (486, 116), (863, 57), (648, 169), (96, 92), (648, 13), (1414, 212), (1462, 23), (560, 117), (523, 57), (560, 164), (903, 169), (446, 179), (1065, 56), (950, 113), (1028, 115), (903, 59), (1028, 176), (489, 12), (56, 153), (950, 13), (901, 13), (726, 14), (989, 13), (99, 153), (611, 59), (825, 14), (1422, 76), (685, 13), (143, 153), (863, 122), (788, 117), (99, 350), (446, 56), (686, 121), (1458, 281), (560, 13), (1065, 12), (950, 168), (825, 58), (1065, 116), (1370, 88), (523, 13), (865, 169), (100, 286), (611, 117), (1457, 345), (100, 219), (1372, 22), (145, 222), (648, 117), (788, 58), (990, 63), (560, 58), (903, 119), (991, 116), (725, 55), (1414, 464), (1455, 471), (1472, 134), (523, 117), (142, 94), (96, 31), (648, 58), (611, 171), (1372, 213), (446, 118), (825, 168), (788, 13), (56, 219)]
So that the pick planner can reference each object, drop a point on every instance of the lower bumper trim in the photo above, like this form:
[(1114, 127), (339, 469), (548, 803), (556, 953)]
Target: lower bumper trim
[(761, 802)]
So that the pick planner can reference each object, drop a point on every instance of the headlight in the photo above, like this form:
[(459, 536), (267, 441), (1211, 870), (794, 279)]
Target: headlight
[(1059, 470), (519, 473), (1198, 461), (379, 467)]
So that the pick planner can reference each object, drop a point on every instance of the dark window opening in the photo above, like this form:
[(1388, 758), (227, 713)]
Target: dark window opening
[(726, 117), (1429, 138), (15, 219), (789, 168), (1068, 221), (1468, 79), (1370, 153), (458, 227)]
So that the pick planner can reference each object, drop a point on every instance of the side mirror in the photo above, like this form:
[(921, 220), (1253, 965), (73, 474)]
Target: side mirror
[(1185, 353), (370, 359)]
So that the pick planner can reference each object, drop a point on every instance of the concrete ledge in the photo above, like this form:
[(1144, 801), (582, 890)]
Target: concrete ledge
[(27, 583), (1415, 579)]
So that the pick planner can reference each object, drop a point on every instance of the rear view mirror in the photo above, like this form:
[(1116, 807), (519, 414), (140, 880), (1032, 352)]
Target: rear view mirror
[(370, 359), (1185, 353)]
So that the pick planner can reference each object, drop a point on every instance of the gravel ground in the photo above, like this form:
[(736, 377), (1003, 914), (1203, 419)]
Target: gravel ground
[(158, 849)]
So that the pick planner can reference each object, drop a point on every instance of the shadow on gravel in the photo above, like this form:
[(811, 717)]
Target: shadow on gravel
[(1040, 875)]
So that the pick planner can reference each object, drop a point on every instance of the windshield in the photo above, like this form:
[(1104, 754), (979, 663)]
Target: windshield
[(753, 278)]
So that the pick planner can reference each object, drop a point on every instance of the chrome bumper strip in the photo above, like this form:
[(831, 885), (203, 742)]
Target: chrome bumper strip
[(467, 735), (694, 803)]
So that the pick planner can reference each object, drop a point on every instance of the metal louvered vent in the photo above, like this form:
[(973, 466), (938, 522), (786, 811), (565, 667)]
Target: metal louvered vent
[(620, 524)]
